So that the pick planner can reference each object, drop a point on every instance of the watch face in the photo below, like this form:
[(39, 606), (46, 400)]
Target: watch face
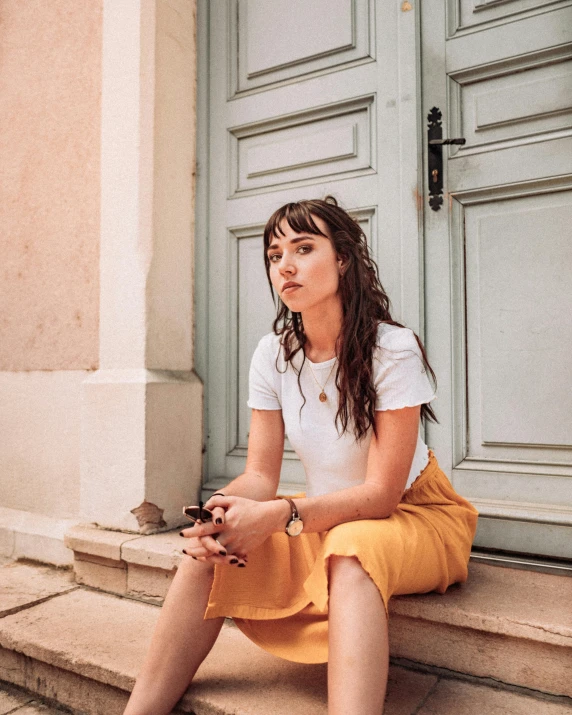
[(295, 527)]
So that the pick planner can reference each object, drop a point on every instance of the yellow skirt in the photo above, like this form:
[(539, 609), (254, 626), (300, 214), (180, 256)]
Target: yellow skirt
[(280, 600)]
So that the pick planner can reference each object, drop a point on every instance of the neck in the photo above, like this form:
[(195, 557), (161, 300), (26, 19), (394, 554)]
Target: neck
[(322, 326)]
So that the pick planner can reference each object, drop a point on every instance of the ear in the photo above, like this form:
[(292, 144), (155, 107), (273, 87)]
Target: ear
[(342, 265)]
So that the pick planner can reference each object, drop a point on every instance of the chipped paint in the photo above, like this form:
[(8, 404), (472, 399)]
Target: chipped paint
[(149, 517), (418, 198), (406, 6)]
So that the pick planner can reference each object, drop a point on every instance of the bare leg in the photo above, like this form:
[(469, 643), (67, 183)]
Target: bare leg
[(181, 641), (357, 641)]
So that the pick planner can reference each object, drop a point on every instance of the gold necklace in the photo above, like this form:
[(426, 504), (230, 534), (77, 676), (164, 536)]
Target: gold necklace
[(323, 396)]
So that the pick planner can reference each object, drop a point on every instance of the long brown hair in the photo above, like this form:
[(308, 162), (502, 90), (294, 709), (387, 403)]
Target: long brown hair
[(364, 304)]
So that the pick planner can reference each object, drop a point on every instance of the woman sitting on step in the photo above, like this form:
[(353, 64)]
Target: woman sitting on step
[(308, 578)]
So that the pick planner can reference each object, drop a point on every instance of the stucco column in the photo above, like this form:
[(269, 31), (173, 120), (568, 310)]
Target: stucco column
[(142, 411)]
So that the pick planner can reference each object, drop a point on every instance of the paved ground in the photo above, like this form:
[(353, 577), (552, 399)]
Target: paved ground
[(446, 697), (14, 700)]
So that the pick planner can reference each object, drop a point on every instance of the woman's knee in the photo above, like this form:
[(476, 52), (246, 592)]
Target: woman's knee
[(363, 536), (348, 567), (195, 570)]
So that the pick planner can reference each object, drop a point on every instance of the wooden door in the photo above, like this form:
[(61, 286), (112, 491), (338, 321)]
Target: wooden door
[(295, 100), (498, 264)]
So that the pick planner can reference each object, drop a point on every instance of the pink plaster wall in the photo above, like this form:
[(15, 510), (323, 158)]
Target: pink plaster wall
[(50, 89)]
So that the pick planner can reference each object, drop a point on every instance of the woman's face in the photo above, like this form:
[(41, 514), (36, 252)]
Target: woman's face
[(307, 259)]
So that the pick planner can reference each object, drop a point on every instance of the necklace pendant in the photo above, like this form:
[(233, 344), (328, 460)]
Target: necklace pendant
[(323, 396)]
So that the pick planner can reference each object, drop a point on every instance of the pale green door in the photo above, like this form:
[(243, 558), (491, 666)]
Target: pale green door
[(296, 100), (498, 264)]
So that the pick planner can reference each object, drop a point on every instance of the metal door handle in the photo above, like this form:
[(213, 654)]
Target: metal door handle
[(435, 143)]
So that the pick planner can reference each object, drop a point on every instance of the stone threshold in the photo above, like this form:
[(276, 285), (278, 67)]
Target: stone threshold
[(511, 625), (82, 649), (26, 535)]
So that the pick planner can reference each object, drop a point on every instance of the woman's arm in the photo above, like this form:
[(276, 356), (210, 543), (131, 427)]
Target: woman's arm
[(261, 475), (389, 462), (258, 483)]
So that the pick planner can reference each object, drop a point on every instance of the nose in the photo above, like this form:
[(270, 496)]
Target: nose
[(286, 265)]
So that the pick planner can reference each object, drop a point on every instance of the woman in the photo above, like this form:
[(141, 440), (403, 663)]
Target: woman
[(309, 579)]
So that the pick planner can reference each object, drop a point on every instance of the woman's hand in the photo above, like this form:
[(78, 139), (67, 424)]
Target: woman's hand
[(246, 524), (208, 550)]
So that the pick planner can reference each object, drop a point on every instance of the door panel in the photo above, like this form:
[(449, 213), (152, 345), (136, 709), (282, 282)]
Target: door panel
[(284, 40), (473, 13), (510, 41), (256, 313), (516, 248), (331, 141), (509, 108), (499, 265)]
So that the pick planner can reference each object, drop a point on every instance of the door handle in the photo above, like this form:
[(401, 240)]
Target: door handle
[(435, 143)]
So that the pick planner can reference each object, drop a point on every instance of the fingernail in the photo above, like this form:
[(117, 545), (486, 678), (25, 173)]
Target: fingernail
[(218, 521), (194, 557), (222, 553), (234, 561), (241, 565), (181, 533), (185, 552)]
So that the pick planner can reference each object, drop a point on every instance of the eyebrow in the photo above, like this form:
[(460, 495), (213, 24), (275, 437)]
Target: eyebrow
[(293, 240)]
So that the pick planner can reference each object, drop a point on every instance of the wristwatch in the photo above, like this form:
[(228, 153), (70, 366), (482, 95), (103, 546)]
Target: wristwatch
[(295, 525)]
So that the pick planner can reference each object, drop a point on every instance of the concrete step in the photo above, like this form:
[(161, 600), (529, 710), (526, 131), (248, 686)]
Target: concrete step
[(510, 625), (63, 644)]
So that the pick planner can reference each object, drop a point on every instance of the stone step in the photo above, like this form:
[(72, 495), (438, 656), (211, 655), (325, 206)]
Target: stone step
[(69, 645), (511, 625)]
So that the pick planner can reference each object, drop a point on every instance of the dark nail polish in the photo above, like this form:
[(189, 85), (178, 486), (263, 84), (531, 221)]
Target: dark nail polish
[(185, 552), (222, 553), (241, 565), (181, 533), (218, 521), (234, 561), (194, 557)]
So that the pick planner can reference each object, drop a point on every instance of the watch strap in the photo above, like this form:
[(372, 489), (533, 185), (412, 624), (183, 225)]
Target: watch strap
[(295, 514)]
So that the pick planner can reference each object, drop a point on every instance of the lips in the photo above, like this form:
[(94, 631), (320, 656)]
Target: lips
[(290, 287)]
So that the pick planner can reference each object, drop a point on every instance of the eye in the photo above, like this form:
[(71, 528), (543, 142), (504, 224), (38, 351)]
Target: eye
[(277, 255)]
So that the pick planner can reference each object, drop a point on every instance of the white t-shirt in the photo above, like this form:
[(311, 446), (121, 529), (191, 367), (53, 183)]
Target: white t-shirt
[(332, 462)]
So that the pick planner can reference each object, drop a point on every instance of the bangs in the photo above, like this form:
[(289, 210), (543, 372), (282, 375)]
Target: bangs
[(298, 217)]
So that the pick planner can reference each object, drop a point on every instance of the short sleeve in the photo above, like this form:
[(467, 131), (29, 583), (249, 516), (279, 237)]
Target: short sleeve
[(262, 394), (400, 376)]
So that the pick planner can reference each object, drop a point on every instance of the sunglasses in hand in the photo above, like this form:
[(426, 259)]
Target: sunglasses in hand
[(198, 513)]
